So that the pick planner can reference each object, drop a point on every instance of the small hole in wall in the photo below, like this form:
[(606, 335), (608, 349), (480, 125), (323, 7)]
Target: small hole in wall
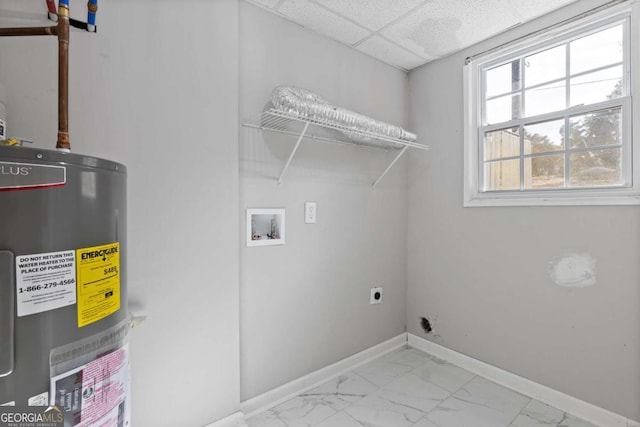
[(425, 324)]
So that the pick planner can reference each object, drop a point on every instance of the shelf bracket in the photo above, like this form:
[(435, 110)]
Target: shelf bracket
[(389, 167), (293, 152)]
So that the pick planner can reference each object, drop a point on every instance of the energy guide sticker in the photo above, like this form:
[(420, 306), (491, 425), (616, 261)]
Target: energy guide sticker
[(45, 281), (98, 275)]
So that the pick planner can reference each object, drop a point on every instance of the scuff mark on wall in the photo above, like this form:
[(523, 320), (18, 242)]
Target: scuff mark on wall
[(573, 270)]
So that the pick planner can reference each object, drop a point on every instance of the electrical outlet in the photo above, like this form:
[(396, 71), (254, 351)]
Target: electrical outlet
[(310, 209), (376, 296)]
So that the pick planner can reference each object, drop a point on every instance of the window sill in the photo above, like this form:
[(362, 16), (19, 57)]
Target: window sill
[(591, 198)]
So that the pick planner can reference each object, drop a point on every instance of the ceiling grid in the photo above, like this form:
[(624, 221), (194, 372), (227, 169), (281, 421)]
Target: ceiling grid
[(409, 33)]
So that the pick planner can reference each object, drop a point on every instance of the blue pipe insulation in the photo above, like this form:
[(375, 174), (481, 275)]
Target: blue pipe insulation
[(92, 9)]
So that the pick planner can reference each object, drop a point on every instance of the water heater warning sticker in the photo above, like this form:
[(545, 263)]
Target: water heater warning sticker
[(95, 394), (98, 271), (45, 282)]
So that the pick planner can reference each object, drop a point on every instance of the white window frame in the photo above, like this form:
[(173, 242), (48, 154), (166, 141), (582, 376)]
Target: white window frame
[(629, 194)]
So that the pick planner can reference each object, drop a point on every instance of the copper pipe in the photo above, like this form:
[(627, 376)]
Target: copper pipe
[(62, 31), (63, 77), (29, 31)]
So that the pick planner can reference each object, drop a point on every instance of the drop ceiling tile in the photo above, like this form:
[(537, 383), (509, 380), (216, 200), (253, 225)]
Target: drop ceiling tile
[(269, 4), (444, 26), (387, 52), (527, 10), (319, 19), (373, 14)]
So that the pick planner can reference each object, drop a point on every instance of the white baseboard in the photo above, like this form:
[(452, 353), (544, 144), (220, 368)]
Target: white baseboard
[(287, 391), (233, 420), (569, 404)]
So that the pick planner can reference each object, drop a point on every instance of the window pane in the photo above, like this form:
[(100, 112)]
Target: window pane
[(502, 175), (503, 79), (596, 50), (596, 129), (597, 87), (545, 66), (545, 99), (503, 109), (543, 137), (502, 143), (544, 172), (595, 168)]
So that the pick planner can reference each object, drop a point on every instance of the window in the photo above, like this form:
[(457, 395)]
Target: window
[(549, 121)]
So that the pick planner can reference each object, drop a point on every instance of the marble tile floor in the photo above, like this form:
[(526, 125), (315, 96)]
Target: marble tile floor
[(410, 388)]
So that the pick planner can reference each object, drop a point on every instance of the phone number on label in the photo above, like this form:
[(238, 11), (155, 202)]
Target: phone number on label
[(44, 286)]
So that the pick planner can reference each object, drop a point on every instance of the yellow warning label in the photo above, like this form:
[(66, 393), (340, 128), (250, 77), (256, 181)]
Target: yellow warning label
[(98, 276)]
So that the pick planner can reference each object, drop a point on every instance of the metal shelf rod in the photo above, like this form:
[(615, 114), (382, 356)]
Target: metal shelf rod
[(293, 152), (389, 167)]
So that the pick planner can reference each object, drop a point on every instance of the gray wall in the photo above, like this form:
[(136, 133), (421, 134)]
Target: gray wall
[(480, 274), (305, 305), (161, 99), (166, 103)]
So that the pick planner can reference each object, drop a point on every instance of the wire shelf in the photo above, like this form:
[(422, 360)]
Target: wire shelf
[(322, 129), (326, 130)]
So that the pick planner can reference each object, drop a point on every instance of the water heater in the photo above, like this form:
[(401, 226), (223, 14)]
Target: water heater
[(63, 293)]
